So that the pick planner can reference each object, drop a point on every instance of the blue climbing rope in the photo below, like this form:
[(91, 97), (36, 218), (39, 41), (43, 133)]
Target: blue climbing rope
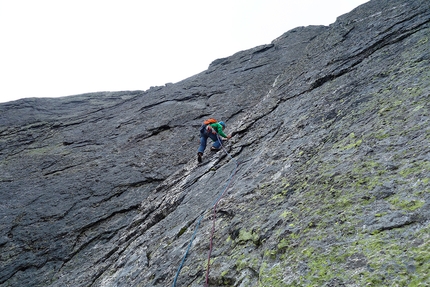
[(214, 205), (188, 249)]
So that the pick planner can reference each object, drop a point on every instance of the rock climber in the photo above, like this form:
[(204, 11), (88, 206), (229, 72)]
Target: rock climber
[(211, 129)]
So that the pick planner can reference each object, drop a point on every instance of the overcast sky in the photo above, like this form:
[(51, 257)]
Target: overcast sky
[(53, 48)]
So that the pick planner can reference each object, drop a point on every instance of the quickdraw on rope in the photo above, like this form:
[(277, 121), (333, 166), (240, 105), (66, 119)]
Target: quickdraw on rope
[(214, 206)]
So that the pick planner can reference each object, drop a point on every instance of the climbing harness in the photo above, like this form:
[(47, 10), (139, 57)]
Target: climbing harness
[(214, 206)]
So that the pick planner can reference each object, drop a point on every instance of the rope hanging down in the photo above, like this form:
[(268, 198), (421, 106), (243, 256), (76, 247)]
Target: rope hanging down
[(188, 249), (214, 206)]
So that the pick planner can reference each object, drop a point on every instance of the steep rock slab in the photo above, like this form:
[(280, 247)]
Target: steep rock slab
[(331, 172), (332, 135), (75, 171)]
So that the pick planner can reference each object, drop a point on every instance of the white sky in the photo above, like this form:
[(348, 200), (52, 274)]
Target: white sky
[(52, 48)]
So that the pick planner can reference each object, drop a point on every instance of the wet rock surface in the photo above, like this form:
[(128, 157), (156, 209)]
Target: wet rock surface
[(332, 150)]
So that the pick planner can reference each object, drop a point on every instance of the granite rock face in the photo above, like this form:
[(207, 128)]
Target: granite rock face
[(328, 184)]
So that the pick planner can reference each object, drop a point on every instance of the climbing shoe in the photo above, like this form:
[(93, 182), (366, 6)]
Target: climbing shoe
[(199, 157), (215, 149)]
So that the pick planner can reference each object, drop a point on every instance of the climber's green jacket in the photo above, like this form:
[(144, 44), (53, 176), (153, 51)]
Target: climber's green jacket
[(218, 128)]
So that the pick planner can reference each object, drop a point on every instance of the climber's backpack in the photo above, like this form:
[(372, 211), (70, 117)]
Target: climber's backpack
[(209, 121), (206, 125)]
